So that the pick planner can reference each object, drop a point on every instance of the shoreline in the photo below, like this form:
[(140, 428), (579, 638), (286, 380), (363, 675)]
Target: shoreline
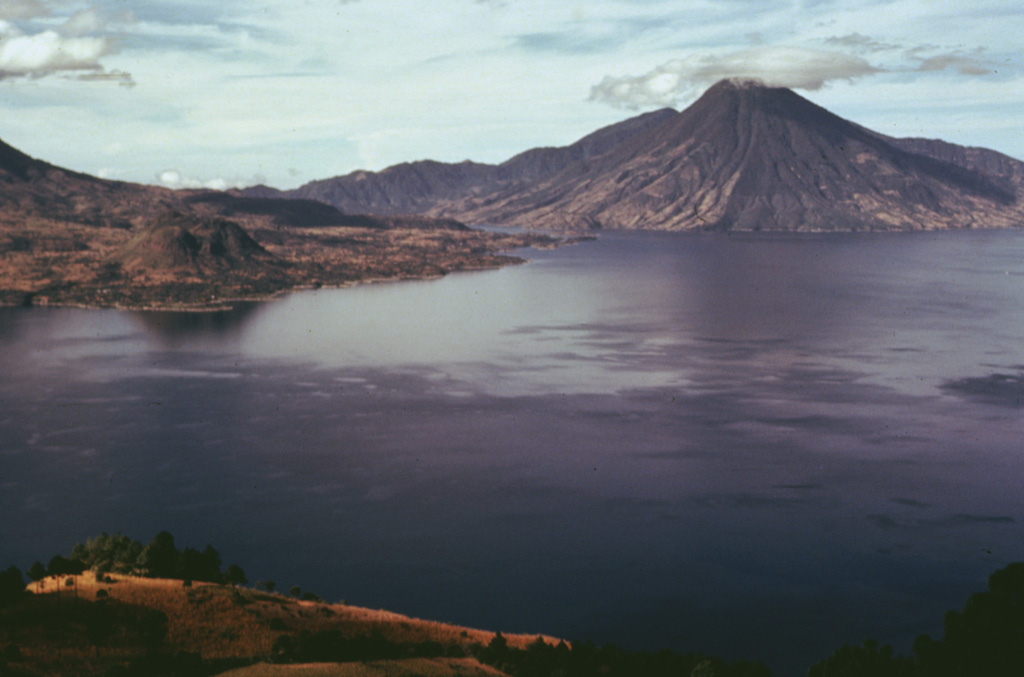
[(295, 273)]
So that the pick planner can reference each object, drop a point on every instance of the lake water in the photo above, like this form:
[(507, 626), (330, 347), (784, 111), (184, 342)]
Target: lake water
[(760, 446)]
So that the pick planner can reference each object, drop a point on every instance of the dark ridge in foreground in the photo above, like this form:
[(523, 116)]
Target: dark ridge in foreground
[(742, 157), (118, 607)]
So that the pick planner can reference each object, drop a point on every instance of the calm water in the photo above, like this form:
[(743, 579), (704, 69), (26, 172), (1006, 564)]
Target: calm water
[(757, 446)]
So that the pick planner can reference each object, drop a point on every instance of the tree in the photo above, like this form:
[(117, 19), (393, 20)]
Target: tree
[(211, 564), (160, 557), (58, 565), (295, 591), (37, 572), (235, 576), (986, 637), (105, 553), (269, 586), (867, 660), (12, 586)]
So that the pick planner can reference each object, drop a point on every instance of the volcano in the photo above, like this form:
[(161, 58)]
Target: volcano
[(742, 157)]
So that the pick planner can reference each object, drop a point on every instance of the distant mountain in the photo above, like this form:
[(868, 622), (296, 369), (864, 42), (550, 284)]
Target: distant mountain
[(31, 189), (743, 156), (422, 187)]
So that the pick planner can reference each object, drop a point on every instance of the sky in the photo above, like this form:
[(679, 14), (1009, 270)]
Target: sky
[(231, 93)]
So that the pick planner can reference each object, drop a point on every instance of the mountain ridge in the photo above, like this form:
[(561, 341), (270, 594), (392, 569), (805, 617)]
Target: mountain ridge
[(68, 238), (744, 156)]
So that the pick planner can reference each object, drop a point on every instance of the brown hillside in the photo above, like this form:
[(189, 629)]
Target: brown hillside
[(57, 634), (71, 239), (177, 241)]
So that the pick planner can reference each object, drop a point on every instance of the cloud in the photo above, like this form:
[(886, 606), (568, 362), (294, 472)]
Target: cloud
[(673, 81), (49, 52), (83, 23), (172, 178), (958, 61), (119, 77), (858, 42), (23, 9), (961, 63), (76, 46)]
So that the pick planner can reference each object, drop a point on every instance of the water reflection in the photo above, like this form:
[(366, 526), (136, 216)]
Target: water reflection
[(177, 328)]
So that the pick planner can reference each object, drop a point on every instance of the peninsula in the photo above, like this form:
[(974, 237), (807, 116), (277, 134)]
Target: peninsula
[(71, 239)]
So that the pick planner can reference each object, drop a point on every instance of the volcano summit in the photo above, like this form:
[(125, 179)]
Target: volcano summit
[(743, 157)]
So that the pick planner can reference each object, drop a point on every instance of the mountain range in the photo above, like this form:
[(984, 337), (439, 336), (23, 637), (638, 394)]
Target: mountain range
[(742, 157), (68, 238)]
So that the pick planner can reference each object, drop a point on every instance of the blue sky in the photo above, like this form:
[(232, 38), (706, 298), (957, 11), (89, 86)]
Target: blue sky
[(231, 93)]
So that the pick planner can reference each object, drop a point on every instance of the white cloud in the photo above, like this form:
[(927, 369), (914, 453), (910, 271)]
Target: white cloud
[(49, 52), (172, 178), (675, 80), (76, 45)]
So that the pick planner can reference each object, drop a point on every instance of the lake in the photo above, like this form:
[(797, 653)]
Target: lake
[(759, 446)]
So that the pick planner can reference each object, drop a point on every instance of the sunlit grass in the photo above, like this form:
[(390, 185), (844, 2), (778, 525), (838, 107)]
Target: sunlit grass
[(213, 621)]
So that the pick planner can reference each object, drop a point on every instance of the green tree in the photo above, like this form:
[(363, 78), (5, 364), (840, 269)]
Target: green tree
[(986, 637), (37, 572), (867, 660), (107, 552), (160, 556), (235, 576)]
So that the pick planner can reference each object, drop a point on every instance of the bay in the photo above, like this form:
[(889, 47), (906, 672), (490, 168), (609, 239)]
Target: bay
[(756, 445)]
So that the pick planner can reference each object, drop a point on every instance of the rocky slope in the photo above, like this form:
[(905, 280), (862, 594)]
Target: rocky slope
[(744, 156)]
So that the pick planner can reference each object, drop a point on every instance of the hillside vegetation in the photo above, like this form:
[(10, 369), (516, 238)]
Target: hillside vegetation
[(115, 608), (118, 607)]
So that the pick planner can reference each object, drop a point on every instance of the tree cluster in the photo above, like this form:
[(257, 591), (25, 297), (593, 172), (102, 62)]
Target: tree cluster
[(985, 638), (160, 558), (584, 659)]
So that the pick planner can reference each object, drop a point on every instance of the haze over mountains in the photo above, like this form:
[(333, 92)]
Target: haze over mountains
[(742, 157)]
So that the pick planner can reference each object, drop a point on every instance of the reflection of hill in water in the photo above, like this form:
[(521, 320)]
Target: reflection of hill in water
[(176, 326)]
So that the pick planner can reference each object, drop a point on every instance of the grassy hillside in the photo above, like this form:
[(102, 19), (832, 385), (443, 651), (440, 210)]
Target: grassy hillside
[(95, 625), (112, 620)]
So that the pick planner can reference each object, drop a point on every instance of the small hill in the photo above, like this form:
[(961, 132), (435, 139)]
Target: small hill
[(176, 241), (94, 625)]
